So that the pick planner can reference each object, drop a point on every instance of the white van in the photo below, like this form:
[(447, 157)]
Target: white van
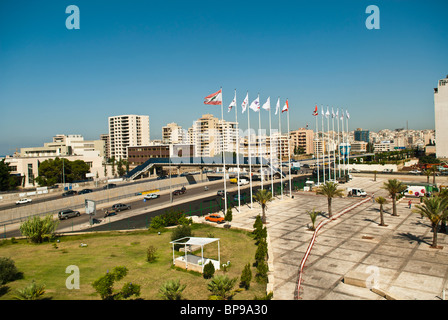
[(356, 192), (415, 191)]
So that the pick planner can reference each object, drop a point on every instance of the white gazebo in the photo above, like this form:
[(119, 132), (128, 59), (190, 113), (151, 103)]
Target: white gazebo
[(190, 261)]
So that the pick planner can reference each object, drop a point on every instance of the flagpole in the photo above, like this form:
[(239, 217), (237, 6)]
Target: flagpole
[(270, 149), (317, 150), (223, 155), (339, 149), (289, 155), (280, 147), (328, 143), (248, 148), (237, 154), (348, 151), (323, 152), (334, 152), (259, 143), (343, 140)]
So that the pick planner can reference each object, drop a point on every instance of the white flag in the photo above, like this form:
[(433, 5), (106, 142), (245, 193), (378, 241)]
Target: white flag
[(267, 104), (277, 107), (255, 105), (245, 102), (322, 111), (342, 114), (327, 114), (337, 113), (233, 103), (332, 113), (348, 115)]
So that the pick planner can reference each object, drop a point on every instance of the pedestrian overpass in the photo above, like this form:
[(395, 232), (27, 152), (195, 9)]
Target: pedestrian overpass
[(202, 162)]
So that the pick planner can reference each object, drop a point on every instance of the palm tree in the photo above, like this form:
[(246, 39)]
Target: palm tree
[(263, 196), (427, 173), (393, 186), (381, 201), (313, 215), (172, 290), (435, 209), (330, 190), (221, 287)]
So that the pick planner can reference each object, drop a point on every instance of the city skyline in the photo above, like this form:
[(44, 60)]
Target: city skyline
[(161, 60)]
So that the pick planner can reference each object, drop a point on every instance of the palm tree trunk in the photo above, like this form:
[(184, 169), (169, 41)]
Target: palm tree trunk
[(394, 206), (434, 235), (329, 208), (381, 215), (263, 213)]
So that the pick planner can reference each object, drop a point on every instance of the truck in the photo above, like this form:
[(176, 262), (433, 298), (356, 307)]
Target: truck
[(356, 192), (243, 182)]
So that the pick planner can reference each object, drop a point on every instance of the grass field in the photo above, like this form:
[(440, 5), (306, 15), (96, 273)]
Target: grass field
[(46, 264)]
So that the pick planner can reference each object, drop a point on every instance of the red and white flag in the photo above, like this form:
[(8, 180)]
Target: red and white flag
[(315, 113), (286, 106), (214, 98)]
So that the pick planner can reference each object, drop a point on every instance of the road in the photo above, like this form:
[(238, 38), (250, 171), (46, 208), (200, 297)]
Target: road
[(208, 203)]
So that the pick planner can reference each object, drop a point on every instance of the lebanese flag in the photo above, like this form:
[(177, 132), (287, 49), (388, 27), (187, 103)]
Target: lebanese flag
[(286, 106), (214, 98), (315, 113)]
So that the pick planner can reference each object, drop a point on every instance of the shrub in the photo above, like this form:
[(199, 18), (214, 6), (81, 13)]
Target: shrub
[(262, 271), (209, 270), (30, 292), (172, 290), (36, 229), (228, 217), (246, 277), (262, 251), (8, 270), (104, 285), (179, 232), (157, 222), (151, 254), (221, 288)]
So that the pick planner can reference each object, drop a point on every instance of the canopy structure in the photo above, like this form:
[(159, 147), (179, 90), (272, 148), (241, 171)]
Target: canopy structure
[(195, 263)]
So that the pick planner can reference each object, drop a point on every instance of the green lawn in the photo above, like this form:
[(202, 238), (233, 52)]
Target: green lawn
[(46, 264)]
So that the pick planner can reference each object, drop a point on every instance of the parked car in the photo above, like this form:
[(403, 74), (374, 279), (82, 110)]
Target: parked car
[(220, 193), (23, 201), (152, 196), (69, 193), (68, 213), (83, 191), (415, 171), (120, 206), (214, 218), (109, 186), (242, 197)]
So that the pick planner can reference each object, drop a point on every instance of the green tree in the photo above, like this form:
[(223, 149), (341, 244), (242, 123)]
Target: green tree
[(246, 277), (104, 285), (381, 201), (221, 287), (36, 229), (7, 181), (330, 190), (172, 290), (313, 216), (209, 270), (394, 187), (58, 170), (435, 209), (263, 196), (31, 292)]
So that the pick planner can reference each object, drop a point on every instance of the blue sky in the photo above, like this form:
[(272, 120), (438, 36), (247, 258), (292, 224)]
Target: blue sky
[(161, 58)]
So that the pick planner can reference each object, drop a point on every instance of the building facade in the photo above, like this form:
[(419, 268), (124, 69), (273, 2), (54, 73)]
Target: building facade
[(441, 118), (302, 140), (127, 131)]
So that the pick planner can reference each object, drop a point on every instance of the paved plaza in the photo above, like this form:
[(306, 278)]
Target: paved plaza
[(398, 256)]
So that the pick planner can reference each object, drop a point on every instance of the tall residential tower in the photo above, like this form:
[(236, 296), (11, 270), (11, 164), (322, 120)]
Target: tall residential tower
[(127, 131), (441, 118)]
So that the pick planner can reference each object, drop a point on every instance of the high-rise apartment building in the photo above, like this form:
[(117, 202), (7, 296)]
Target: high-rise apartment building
[(173, 133), (302, 141), (127, 131), (441, 117), (361, 135)]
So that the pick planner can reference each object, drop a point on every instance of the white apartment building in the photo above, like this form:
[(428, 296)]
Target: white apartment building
[(127, 131), (441, 117), (173, 133)]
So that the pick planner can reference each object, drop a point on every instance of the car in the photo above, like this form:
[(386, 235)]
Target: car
[(220, 193), (415, 171), (120, 206), (242, 197), (178, 192), (214, 218), (83, 191), (68, 213), (109, 186), (69, 193), (354, 170), (23, 201), (151, 196)]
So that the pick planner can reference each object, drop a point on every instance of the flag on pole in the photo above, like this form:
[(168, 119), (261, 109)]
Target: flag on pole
[(277, 107), (342, 115), (327, 114), (255, 105), (214, 98), (322, 112), (337, 113), (315, 113), (245, 102), (267, 104), (332, 113), (232, 104), (348, 115), (286, 106)]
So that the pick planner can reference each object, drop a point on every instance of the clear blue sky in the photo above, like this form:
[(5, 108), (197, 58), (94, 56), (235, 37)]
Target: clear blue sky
[(161, 58)]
